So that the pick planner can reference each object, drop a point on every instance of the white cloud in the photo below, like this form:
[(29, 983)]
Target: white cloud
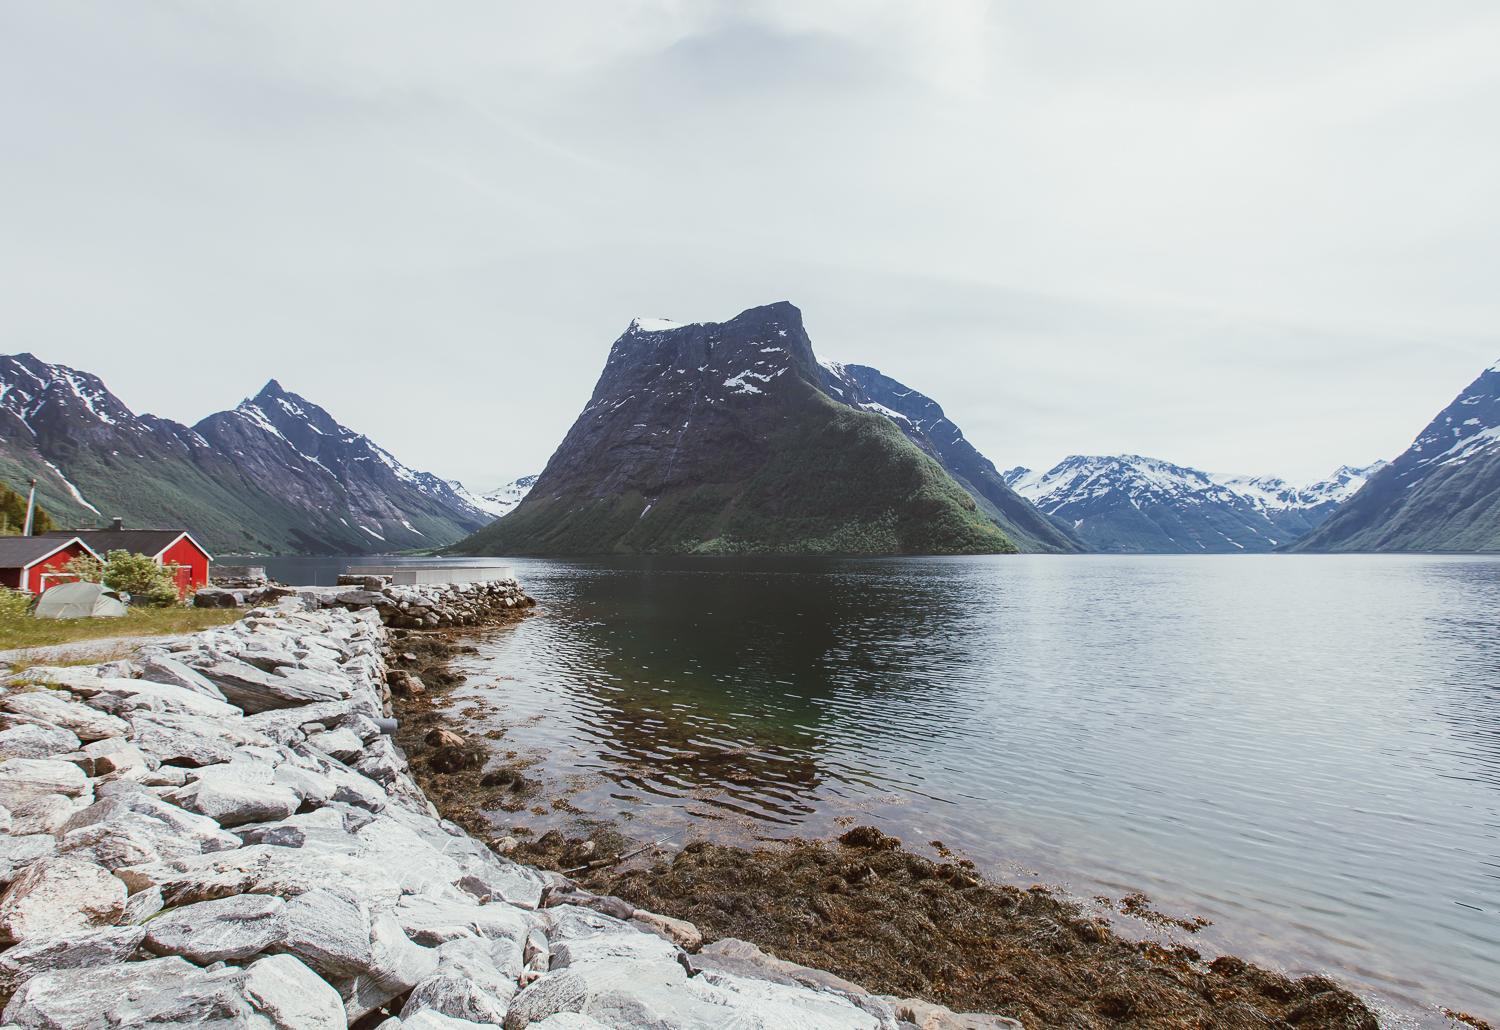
[(1242, 235)]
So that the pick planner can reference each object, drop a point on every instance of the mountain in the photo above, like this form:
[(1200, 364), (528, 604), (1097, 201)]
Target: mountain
[(922, 420), (502, 500), (1441, 494), (276, 474), (717, 438), (1128, 503)]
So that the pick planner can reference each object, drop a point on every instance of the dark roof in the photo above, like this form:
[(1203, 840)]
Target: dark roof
[(137, 541), (17, 552)]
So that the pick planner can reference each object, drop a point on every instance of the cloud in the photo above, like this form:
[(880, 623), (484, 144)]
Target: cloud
[(1250, 236)]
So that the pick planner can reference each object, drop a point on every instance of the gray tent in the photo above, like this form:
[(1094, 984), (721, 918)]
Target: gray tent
[(79, 601)]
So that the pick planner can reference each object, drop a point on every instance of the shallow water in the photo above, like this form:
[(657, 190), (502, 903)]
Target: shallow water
[(1303, 749)]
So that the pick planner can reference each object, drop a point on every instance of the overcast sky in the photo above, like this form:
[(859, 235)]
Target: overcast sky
[(1257, 237)]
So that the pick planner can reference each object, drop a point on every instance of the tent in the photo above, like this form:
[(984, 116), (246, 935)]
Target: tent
[(79, 601)]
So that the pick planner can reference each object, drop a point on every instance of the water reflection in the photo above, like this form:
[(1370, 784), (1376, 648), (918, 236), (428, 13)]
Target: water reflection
[(1305, 750)]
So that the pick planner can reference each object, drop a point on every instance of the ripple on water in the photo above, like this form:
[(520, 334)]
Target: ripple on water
[(1304, 749)]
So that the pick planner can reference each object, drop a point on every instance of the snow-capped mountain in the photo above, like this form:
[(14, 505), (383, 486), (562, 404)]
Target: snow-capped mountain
[(1132, 503), (1441, 494), (717, 437), (502, 500), (922, 420), (275, 474)]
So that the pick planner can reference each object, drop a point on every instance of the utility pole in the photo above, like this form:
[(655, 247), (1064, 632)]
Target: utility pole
[(30, 508)]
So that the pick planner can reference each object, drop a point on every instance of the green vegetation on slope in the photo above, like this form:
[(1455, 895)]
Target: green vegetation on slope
[(838, 481)]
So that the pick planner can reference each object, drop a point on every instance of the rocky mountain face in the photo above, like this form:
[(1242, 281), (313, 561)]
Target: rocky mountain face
[(277, 474), (1441, 494), (922, 420), (1128, 503), (719, 438)]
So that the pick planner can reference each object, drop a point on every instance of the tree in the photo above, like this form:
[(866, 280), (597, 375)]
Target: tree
[(13, 514), (146, 582)]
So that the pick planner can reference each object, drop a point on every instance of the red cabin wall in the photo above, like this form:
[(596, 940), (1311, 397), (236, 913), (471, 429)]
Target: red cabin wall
[(36, 579), (10, 578), (192, 562)]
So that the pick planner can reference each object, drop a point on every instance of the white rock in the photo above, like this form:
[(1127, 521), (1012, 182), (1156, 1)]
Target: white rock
[(292, 996), (342, 744), (46, 706), (16, 853), (57, 895), (329, 930), (74, 950), (165, 669), (233, 802), (472, 982), (45, 814), (255, 690), (396, 966), (125, 696), (36, 740), (25, 779), (118, 757), (219, 931)]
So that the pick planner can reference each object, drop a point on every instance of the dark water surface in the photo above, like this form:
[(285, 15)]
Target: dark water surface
[(1303, 749)]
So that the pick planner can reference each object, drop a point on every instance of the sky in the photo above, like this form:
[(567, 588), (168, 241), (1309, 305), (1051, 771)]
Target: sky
[(1255, 237)]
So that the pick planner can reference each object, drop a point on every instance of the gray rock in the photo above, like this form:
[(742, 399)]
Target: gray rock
[(165, 669), (134, 828), (291, 996), (219, 931), (16, 853), (569, 1021), (141, 906), (76, 950), (429, 1020), (396, 966), (5, 822), (295, 830), (35, 740), (26, 779), (255, 690), (472, 982), (114, 756), (436, 921), (175, 744), (46, 706), (45, 814), (329, 930), (342, 744), (233, 800), (123, 697), (57, 895), (274, 992)]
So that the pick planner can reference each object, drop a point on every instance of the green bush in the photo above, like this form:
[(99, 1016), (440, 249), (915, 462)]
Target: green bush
[(15, 605), (147, 583)]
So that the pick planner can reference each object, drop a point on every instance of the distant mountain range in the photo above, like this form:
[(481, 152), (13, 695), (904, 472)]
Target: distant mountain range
[(503, 499), (722, 438), (1441, 494), (277, 474), (1129, 503)]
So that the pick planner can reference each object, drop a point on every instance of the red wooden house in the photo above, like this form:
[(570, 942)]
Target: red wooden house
[(171, 548), (34, 563)]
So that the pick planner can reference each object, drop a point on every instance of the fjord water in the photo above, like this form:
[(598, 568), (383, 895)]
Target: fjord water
[(1303, 749)]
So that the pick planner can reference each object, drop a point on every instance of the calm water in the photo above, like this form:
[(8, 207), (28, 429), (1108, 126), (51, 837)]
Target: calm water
[(1305, 750)]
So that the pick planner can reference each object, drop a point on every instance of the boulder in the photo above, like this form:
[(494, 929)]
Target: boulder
[(467, 985), (75, 950), (49, 708), (36, 740), (57, 895), (255, 690), (274, 992), (26, 779), (165, 669), (329, 930), (342, 744), (138, 822), (226, 930), (114, 756), (123, 697), (679, 931), (396, 966), (16, 853), (232, 796)]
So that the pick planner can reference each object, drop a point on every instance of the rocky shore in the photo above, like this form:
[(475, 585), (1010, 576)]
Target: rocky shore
[(223, 832)]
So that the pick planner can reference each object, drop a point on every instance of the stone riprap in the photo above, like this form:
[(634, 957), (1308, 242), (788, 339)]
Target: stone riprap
[(222, 831)]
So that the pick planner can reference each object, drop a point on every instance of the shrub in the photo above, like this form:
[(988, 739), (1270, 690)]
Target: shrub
[(146, 582), (15, 605)]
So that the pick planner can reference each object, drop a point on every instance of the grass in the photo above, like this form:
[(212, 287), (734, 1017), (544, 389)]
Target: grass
[(27, 632)]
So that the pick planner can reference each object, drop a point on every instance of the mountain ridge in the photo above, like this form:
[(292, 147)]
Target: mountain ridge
[(275, 474), (717, 438)]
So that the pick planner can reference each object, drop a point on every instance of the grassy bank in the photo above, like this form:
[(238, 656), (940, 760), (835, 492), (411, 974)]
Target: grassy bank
[(26, 631)]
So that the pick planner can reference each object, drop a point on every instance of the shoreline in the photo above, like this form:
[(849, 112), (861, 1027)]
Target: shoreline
[(865, 909)]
